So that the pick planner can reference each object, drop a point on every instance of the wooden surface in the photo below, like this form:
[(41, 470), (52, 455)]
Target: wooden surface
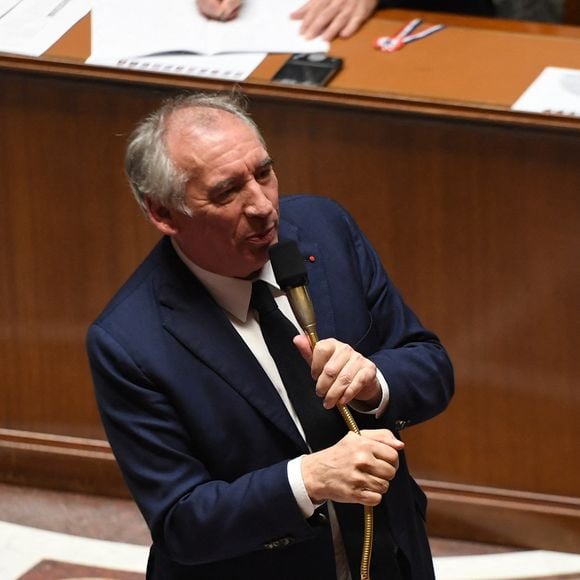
[(478, 61), (473, 208), (487, 68)]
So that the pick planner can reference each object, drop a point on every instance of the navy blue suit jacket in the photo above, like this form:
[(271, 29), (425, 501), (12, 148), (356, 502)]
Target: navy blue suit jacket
[(203, 439)]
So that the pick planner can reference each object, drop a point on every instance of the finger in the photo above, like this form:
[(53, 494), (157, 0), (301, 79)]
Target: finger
[(385, 470), (323, 351), (369, 497), (317, 20), (377, 483), (302, 343), (384, 436), (209, 8), (381, 435), (299, 13), (229, 9), (334, 27), (362, 12), (328, 363), (339, 387), (380, 462), (359, 379), (347, 375), (351, 26)]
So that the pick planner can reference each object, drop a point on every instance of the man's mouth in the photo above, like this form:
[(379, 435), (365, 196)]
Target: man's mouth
[(265, 237)]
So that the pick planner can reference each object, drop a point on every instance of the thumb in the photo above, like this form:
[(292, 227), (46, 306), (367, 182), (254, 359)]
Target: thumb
[(302, 343)]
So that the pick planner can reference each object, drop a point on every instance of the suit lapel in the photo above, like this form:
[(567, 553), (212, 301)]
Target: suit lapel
[(191, 315), (317, 279)]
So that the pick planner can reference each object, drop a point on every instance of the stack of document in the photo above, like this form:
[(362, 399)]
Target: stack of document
[(160, 35), (31, 27), (556, 91), (172, 36)]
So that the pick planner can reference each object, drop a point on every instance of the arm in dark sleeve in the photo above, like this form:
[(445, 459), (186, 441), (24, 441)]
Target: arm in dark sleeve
[(412, 359), (185, 505)]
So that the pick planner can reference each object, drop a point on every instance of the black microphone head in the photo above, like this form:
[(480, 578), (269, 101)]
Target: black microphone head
[(288, 265)]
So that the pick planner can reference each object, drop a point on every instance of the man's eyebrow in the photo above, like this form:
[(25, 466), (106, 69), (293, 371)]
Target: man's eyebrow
[(225, 184), (265, 163)]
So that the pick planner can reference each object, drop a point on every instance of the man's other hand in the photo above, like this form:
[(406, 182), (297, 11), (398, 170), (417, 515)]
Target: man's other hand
[(357, 469), (331, 18)]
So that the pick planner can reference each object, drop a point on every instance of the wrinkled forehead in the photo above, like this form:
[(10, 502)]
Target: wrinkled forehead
[(195, 117), (198, 137), (196, 126), (198, 122)]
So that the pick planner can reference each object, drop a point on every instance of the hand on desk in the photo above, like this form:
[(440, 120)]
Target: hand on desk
[(331, 18), (357, 469), (326, 18)]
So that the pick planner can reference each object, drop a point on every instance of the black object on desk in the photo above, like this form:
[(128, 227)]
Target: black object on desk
[(308, 69)]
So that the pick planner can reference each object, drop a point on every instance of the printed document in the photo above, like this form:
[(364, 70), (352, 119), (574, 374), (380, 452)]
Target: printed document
[(130, 28), (556, 91), (229, 67), (31, 27)]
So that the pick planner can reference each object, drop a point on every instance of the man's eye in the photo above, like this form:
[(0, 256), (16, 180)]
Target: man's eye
[(264, 174), (224, 196)]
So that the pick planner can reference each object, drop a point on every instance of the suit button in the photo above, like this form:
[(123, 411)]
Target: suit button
[(280, 543), (400, 424)]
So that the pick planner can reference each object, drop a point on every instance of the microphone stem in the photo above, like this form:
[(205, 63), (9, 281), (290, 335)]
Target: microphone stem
[(303, 310)]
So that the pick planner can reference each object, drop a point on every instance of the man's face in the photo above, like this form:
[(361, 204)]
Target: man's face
[(232, 194)]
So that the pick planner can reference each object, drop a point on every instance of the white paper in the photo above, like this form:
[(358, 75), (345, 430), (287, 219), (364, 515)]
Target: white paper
[(555, 91), (508, 566), (31, 27), (128, 28), (230, 67)]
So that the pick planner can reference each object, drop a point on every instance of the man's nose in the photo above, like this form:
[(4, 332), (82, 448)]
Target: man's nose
[(258, 203)]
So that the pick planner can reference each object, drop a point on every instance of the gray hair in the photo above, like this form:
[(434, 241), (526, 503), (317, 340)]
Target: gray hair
[(151, 172)]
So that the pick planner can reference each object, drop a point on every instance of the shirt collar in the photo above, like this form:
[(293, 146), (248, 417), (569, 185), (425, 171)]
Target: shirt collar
[(232, 294)]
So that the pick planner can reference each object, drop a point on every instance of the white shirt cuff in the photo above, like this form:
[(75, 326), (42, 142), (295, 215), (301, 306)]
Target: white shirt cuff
[(380, 409), (304, 502)]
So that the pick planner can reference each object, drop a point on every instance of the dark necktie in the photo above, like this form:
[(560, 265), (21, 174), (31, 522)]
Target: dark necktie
[(322, 427)]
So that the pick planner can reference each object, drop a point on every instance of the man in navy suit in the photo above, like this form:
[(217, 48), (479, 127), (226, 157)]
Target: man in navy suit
[(197, 414)]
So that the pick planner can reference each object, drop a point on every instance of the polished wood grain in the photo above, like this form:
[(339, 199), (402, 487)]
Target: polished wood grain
[(472, 207), (61, 244)]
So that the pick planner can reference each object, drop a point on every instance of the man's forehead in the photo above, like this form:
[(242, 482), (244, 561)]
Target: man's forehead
[(200, 121), (197, 129)]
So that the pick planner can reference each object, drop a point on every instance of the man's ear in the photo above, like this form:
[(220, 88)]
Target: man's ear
[(161, 217)]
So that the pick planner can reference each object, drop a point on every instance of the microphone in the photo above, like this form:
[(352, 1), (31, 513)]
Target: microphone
[(290, 273), (291, 276)]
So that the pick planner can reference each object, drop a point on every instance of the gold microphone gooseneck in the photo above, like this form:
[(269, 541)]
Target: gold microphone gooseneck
[(288, 266)]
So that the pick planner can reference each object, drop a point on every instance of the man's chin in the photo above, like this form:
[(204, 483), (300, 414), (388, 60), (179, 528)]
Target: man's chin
[(253, 265)]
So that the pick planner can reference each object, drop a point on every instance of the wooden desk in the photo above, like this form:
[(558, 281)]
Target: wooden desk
[(473, 207)]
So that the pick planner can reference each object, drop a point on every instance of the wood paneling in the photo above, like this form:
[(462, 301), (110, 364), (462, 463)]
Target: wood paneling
[(61, 462), (69, 234), (478, 227)]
